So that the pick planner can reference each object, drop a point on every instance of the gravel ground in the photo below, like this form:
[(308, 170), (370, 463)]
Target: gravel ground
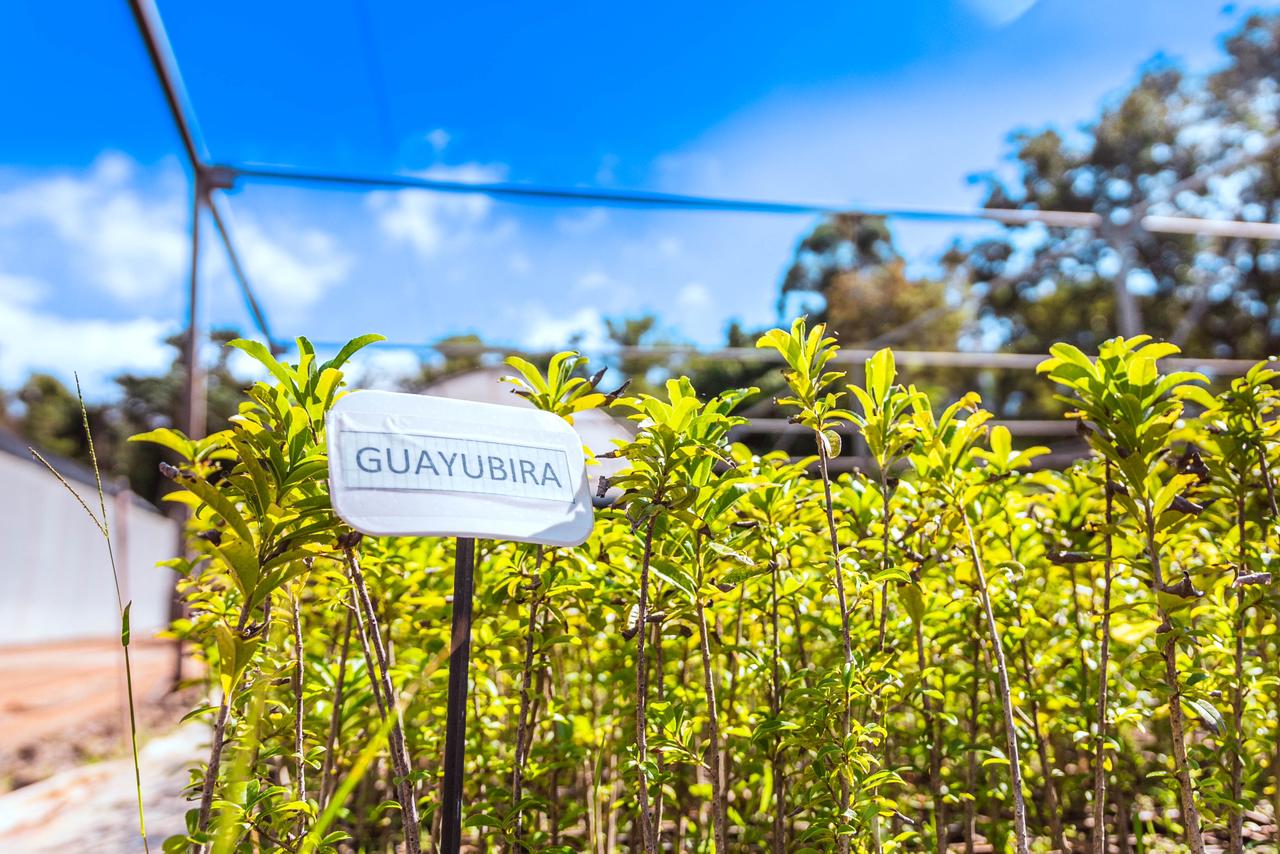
[(93, 808), (66, 782)]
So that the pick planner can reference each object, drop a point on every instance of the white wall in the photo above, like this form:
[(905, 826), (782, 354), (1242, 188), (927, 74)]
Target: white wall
[(55, 577)]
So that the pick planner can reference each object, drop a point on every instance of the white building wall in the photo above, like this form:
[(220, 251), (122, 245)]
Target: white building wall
[(55, 576)]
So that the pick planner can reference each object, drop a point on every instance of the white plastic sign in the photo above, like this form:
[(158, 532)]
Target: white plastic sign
[(413, 464)]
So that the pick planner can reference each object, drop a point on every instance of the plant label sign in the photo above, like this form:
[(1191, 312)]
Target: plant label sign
[(411, 464)]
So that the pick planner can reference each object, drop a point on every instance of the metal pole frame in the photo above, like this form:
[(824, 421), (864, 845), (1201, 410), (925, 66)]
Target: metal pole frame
[(455, 732), (195, 411)]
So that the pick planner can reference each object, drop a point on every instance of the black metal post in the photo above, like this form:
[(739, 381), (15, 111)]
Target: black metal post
[(455, 728)]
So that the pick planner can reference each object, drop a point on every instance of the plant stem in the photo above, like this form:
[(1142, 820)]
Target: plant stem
[(526, 681), (971, 765), (1052, 808), (647, 831), (884, 557), (1124, 823), (335, 718), (1190, 814), (775, 704), (935, 754), (215, 748), (1104, 661), (845, 636), (1275, 758), (133, 743), (104, 527), (1267, 482), (719, 813), (1006, 698), (299, 741), (659, 667), (1235, 818), (399, 752)]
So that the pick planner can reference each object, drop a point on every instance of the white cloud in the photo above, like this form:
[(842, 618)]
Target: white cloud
[(431, 222), (606, 173), (694, 297), (519, 263), (384, 368), (33, 339), (288, 267), (439, 139), (21, 291), (121, 234), (592, 219), (124, 229), (999, 13), (697, 315), (670, 247), (545, 330), (595, 280), (689, 170)]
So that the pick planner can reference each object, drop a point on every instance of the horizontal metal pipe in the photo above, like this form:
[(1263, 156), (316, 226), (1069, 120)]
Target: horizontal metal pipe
[(1017, 427), (682, 201), (850, 357)]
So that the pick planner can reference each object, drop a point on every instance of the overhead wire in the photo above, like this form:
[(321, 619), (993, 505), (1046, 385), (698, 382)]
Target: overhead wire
[(849, 356), (166, 67), (685, 202)]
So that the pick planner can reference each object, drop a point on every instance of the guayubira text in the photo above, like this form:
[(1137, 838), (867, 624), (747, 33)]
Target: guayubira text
[(376, 460)]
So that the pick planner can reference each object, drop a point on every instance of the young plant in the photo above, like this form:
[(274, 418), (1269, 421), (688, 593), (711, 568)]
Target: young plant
[(258, 492), (1235, 460), (564, 392), (103, 523), (807, 353), (886, 427), (679, 440), (687, 680), (1133, 411), (943, 457)]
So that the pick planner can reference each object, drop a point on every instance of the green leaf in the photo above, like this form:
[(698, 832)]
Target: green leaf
[(219, 503), (259, 352), (913, 601), (881, 372), (831, 443), (674, 574), (1207, 714), (349, 349), (124, 623), (168, 438)]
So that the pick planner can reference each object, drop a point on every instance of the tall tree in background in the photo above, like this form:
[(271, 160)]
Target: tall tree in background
[(864, 294), (1172, 145), (47, 414), (151, 401), (452, 361)]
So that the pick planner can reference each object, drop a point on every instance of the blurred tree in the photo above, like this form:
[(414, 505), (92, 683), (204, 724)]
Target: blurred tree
[(456, 358), (712, 376), (47, 414), (1172, 145), (646, 371), (148, 402), (848, 274)]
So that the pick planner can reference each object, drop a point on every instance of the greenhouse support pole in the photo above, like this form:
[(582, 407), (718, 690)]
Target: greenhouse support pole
[(196, 408), (194, 404), (455, 732)]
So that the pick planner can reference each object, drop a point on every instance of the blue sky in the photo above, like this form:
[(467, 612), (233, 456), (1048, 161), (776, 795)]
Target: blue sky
[(879, 104)]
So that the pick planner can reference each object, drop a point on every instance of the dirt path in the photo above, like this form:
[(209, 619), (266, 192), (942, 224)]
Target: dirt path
[(93, 808), (63, 704), (64, 747)]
